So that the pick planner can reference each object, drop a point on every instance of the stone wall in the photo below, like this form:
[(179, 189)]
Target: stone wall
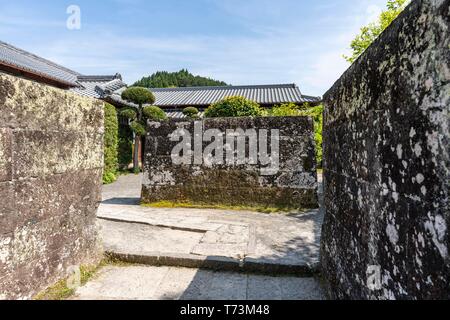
[(387, 164), (229, 179), (51, 159)]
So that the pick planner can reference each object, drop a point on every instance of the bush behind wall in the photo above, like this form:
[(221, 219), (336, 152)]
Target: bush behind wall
[(316, 112)]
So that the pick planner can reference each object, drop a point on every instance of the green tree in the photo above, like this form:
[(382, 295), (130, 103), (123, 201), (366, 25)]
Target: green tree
[(369, 33), (182, 78), (138, 114)]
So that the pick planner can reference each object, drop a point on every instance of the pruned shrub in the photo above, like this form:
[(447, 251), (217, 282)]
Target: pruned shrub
[(154, 113), (234, 107), (111, 163), (128, 113), (191, 112), (138, 95), (138, 128)]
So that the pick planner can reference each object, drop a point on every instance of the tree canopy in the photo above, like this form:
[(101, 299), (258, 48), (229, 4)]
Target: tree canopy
[(369, 33), (182, 78)]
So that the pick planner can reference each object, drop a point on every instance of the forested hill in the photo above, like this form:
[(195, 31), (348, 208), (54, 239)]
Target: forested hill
[(183, 78)]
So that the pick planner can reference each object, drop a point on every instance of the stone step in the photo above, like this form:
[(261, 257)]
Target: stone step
[(216, 263), (141, 243)]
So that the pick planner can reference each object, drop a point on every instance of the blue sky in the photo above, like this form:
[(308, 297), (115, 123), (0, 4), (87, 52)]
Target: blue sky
[(237, 41)]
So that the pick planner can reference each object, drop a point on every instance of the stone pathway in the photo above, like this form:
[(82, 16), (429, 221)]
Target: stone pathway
[(221, 239), (234, 245), (168, 283)]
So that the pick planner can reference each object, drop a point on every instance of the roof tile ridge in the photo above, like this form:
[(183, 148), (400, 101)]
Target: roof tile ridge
[(41, 59)]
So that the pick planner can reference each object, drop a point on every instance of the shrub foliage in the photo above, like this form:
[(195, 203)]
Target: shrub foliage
[(128, 113), (138, 128), (369, 33), (139, 96), (111, 163), (191, 112), (154, 113), (234, 107)]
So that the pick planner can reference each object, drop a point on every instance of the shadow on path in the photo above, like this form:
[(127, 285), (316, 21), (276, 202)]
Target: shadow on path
[(123, 201)]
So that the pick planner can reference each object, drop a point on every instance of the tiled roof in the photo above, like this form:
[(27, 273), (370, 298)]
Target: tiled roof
[(205, 96), (199, 96), (92, 86), (180, 115), (98, 86), (13, 57)]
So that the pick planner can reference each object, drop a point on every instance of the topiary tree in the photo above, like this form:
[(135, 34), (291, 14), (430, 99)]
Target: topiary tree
[(139, 97), (191, 112), (154, 113), (234, 107)]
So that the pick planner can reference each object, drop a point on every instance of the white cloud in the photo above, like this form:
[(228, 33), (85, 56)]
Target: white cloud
[(236, 60), (284, 52)]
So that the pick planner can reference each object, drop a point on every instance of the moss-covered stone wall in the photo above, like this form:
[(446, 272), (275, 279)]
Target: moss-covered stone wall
[(51, 160), (294, 184), (387, 165)]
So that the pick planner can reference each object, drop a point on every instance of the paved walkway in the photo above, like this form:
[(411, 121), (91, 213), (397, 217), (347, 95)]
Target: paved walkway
[(235, 243), (169, 283), (199, 237)]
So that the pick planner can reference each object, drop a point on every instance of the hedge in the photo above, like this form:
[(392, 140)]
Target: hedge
[(111, 163)]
